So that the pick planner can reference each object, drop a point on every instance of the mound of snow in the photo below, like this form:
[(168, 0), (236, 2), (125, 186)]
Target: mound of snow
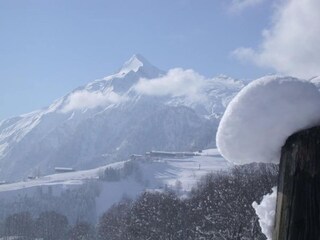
[(263, 115), (266, 212)]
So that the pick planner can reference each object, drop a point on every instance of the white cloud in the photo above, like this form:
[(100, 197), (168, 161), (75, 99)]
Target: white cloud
[(85, 99), (240, 5), (291, 45), (177, 82)]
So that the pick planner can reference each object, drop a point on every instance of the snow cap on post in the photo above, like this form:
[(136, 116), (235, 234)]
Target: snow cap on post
[(263, 115)]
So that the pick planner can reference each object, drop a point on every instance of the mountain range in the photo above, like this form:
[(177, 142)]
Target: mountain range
[(130, 112)]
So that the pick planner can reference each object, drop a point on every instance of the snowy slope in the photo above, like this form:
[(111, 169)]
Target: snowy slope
[(178, 174), (161, 171), (107, 120)]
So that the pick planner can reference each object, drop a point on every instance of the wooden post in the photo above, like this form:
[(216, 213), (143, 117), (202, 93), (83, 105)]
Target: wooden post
[(298, 201)]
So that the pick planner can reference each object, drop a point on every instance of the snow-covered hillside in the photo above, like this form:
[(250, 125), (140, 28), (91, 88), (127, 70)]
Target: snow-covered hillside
[(160, 171), (110, 118), (177, 173)]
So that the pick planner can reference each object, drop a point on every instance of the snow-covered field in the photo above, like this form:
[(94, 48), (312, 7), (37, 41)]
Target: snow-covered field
[(69, 178), (162, 171), (179, 174)]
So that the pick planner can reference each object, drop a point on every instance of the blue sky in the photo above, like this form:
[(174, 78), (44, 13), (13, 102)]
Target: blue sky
[(49, 47)]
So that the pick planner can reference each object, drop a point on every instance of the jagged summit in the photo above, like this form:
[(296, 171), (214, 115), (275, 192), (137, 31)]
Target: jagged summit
[(133, 64), (137, 64), (130, 73)]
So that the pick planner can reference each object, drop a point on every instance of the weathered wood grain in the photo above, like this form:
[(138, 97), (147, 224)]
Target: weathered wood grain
[(298, 201)]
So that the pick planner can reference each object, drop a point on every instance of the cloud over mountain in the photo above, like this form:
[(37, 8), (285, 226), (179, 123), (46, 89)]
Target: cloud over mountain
[(291, 44), (177, 82), (85, 99)]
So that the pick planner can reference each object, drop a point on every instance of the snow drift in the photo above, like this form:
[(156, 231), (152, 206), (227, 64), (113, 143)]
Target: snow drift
[(266, 212), (263, 115)]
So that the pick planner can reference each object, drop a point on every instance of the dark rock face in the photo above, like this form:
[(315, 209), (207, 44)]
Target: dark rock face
[(298, 202)]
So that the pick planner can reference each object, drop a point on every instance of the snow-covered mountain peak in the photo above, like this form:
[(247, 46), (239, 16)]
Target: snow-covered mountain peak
[(133, 64), (136, 65), (316, 81), (110, 90)]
